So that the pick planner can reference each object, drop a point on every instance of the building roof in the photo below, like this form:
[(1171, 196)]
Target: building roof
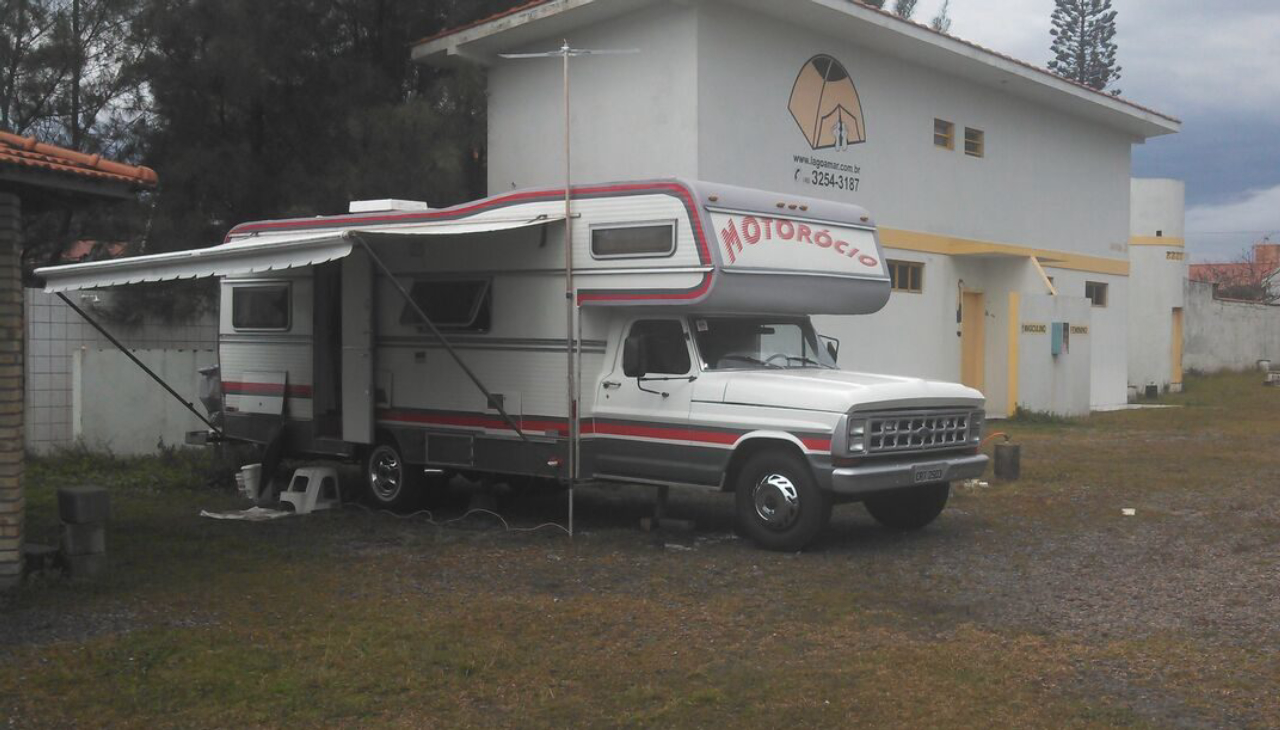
[(873, 27), (25, 153), (1261, 265)]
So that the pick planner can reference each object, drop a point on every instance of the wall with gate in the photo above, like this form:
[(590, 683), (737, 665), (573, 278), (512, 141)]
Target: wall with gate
[(55, 334)]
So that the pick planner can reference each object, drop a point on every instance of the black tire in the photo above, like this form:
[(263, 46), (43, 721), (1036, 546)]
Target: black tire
[(778, 504), (910, 509), (388, 481)]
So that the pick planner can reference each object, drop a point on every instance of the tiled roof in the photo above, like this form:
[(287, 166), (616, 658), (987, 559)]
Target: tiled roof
[(26, 152), (535, 3)]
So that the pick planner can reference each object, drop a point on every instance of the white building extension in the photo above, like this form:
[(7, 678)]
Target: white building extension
[(1157, 284), (1002, 191)]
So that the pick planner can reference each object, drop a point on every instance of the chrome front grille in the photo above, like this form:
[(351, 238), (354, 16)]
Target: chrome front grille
[(911, 431)]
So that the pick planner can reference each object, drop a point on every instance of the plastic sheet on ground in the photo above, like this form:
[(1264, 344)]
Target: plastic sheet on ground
[(253, 514)]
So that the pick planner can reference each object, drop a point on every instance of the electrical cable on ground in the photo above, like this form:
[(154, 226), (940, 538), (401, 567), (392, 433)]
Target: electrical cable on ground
[(432, 520)]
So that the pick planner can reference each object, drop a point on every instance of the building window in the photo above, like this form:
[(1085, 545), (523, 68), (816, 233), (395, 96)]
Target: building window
[(1096, 292), (457, 305), (906, 276), (975, 142), (944, 134), (260, 307), (626, 241)]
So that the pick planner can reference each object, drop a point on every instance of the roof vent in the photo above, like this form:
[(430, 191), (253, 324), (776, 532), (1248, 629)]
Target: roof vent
[(386, 204)]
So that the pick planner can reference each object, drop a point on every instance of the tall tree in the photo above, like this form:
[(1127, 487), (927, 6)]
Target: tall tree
[(905, 8), (68, 72), (1084, 46), (942, 21)]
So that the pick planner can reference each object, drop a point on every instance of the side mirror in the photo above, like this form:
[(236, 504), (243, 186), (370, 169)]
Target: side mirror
[(833, 347), (635, 356)]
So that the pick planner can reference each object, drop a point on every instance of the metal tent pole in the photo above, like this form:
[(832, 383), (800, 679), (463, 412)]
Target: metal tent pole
[(408, 298), (571, 306), (186, 403), (571, 390)]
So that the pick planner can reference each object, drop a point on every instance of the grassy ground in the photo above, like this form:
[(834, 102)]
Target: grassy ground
[(1029, 604)]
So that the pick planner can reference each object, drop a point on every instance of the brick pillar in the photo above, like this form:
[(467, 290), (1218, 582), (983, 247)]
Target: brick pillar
[(11, 391)]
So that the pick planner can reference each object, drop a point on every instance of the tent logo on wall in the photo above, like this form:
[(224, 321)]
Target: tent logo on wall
[(824, 103)]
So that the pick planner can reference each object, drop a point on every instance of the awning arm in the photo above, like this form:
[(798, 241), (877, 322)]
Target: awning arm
[(495, 402), (189, 406)]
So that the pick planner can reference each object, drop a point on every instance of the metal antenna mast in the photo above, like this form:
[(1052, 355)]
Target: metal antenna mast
[(565, 53)]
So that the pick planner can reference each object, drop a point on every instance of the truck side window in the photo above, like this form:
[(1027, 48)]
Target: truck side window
[(668, 354)]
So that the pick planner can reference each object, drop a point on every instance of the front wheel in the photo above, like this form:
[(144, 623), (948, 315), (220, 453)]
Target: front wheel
[(778, 504), (389, 482), (910, 509)]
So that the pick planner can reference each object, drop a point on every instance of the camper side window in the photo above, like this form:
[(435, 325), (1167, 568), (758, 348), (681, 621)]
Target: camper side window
[(631, 240), (260, 307), (457, 305)]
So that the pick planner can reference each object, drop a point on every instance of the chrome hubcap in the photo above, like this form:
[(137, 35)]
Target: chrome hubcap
[(385, 474), (777, 501)]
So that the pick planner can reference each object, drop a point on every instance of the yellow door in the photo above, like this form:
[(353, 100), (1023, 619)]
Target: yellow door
[(1176, 355), (973, 340)]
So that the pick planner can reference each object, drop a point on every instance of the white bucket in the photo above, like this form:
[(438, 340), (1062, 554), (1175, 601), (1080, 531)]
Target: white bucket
[(249, 479)]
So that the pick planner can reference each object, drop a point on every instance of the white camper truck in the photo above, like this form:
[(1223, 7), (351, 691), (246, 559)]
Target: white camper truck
[(674, 348)]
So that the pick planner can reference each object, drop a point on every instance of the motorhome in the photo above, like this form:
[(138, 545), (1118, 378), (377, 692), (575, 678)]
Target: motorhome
[(652, 332)]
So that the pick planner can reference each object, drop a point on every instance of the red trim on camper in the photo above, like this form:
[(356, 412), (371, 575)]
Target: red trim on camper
[(675, 189), (590, 427)]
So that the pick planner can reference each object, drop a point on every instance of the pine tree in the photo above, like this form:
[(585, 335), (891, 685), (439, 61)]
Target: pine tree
[(1084, 46), (942, 21), (905, 8)]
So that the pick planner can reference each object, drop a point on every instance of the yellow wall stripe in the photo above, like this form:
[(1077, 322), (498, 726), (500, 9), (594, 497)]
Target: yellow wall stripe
[(1012, 376), (1170, 241), (952, 246)]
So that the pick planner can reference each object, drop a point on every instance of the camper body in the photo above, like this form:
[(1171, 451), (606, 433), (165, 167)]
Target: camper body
[(696, 362)]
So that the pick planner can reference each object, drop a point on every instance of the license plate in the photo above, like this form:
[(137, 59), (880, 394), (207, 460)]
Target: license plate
[(925, 473)]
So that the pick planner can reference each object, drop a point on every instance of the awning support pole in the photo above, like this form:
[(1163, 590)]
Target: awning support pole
[(495, 402), (189, 406)]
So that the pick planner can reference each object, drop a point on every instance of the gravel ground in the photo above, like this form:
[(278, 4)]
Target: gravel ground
[(1169, 615)]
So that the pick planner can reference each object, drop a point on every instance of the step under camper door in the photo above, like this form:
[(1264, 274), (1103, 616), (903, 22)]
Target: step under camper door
[(357, 348)]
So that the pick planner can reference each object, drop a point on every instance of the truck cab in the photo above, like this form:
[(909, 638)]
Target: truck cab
[(757, 405)]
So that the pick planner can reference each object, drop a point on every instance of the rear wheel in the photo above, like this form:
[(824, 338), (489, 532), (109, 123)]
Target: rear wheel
[(778, 504), (390, 483), (910, 509)]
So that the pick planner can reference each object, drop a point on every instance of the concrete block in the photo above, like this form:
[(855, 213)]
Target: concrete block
[(87, 539), (81, 505), (87, 567)]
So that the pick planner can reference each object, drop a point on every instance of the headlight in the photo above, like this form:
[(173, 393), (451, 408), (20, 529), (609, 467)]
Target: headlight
[(976, 421), (857, 436)]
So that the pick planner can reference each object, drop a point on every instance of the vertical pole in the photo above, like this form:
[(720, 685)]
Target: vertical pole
[(571, 391), (12, 445)]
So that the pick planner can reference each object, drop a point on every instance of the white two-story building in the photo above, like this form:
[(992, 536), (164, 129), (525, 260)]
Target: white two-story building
[(1002, 190)]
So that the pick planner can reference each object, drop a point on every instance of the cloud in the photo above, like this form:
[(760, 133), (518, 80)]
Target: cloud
[(1179, 56), (1223, 232)]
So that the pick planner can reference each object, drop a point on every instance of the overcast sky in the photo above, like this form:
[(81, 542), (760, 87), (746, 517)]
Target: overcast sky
[(1214, 65)]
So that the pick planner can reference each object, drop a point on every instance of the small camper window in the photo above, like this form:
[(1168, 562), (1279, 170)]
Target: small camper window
[(260, 307), (627, 241), (459, 305)]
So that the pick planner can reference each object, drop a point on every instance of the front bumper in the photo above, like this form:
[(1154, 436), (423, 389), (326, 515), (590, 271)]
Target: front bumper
[(875, 477)]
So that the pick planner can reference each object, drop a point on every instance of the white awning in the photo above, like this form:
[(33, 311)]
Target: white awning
[(254, 255)]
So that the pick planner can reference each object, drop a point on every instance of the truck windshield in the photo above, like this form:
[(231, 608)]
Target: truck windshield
[(755, 342)]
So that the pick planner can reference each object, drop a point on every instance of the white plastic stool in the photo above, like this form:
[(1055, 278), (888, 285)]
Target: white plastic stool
[(312, 488)]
